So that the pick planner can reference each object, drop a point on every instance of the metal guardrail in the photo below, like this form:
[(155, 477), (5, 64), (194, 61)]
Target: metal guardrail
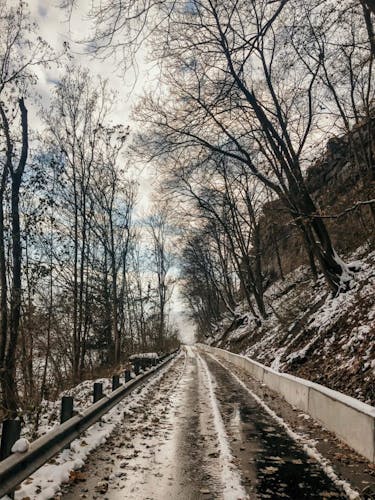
[(18, 467)]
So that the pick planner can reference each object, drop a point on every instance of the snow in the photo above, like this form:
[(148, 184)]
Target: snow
[(275, 365), (231, 479), (45, 483), (347, 277), (305, 324), (20, 446), (308, 445), (144, 355)]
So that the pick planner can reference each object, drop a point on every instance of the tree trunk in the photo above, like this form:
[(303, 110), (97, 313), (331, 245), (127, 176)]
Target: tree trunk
[(10, 393), (3, 263), (308, 240), (370, 4), (76, 341), (3, 281), (258, 274), (277, 251), (115, 329), (308, 220)]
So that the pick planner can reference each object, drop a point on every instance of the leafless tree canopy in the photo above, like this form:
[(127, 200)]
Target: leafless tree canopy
[(252, 97)]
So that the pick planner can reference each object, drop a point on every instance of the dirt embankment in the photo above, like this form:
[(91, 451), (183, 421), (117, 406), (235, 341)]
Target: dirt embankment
[(308, 333)]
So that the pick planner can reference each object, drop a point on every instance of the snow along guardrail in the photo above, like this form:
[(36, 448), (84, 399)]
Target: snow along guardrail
[(349, 419), (19, 466)]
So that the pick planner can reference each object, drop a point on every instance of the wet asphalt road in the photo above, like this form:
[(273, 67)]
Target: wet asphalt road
[(201, 436)]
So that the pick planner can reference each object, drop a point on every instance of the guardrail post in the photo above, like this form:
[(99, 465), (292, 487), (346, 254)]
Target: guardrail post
[(11, 433), (115, 382), (127, 376), (98, 391), (66, 408), (136, 367)]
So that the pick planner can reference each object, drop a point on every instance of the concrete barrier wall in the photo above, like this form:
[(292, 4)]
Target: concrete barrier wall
[(354, 426), (349, 419), (292, 390)]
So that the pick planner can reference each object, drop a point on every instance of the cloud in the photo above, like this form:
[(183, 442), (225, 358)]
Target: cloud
[(42, 10)]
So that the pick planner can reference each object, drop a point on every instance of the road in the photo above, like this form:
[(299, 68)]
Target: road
[(201, 435)]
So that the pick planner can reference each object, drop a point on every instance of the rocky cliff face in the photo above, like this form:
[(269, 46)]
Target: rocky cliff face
[(344, 176)]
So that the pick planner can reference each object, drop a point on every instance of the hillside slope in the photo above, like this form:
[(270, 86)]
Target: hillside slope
[(308, 333)]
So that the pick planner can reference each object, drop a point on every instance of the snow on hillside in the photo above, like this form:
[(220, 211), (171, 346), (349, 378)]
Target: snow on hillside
[(309, 333)]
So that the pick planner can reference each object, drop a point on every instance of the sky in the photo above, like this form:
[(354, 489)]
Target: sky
[(56, 29)]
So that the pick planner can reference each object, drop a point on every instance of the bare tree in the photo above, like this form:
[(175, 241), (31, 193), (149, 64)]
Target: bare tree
[(228, 195), (16, 172), (21, 50), (161, 258), (75, 123), (228, 96), (347, 74), (202, 278), (241, 61), (113, 198)]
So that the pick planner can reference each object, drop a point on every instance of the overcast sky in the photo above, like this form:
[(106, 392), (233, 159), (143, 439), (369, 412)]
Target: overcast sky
[(56, 29)]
